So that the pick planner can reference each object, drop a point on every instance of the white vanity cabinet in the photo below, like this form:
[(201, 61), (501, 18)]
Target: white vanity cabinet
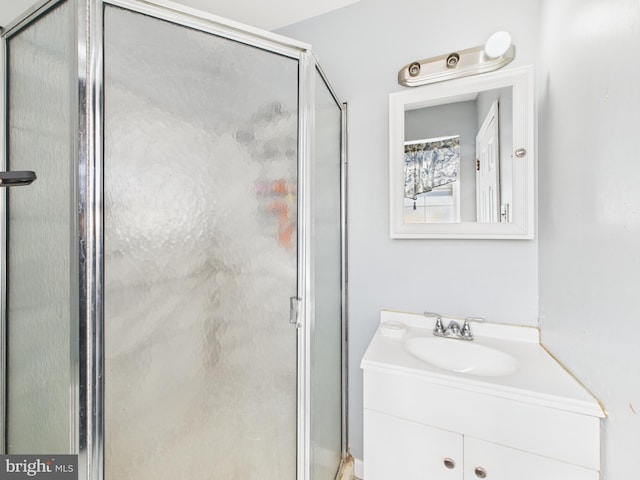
[(400, 449), (397, 448), (423, 422), (495, 462)]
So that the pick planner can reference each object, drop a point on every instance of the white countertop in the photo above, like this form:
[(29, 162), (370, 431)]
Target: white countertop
[(539, 378)]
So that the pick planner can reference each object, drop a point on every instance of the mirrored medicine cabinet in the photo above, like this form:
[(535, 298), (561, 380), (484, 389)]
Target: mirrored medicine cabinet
[(461, 158)]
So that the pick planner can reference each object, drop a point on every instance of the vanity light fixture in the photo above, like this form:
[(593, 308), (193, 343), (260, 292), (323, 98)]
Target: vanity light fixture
[(497, 52)]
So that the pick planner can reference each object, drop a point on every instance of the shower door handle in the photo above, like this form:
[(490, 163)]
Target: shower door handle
[(16, 179), (294, 311)]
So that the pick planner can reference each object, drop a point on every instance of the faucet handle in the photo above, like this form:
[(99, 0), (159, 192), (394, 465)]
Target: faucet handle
[(466, 328), (438, 329), (474, 319)]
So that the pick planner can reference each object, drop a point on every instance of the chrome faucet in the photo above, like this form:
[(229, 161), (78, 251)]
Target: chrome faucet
[(465, 333), (439, 328), (453, 330)]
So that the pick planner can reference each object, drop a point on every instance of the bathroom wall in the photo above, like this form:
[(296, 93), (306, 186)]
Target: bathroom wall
[(589, 200), (361, 47)]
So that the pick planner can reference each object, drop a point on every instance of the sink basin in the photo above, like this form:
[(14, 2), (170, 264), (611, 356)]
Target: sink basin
[(462, 356)]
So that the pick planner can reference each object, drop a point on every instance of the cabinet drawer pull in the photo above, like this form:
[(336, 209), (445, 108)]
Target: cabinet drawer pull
[(480, 472), (449, 463)]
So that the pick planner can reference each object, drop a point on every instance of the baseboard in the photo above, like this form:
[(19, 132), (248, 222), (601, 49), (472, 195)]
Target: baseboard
[(358, 469)]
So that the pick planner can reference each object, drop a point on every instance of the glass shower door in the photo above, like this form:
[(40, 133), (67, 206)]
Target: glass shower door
[(327, 338), (41, 286), (200, 180)]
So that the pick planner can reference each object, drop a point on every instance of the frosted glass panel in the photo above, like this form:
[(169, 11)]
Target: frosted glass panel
[(326, 367), (39, 237), (200, 246)]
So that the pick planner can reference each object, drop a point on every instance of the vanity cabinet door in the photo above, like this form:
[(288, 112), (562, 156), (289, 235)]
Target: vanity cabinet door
[(495, 462), (398, 449)]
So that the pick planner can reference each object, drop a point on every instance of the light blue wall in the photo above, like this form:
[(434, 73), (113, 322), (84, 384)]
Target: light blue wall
[(589, 214), (361, 48)]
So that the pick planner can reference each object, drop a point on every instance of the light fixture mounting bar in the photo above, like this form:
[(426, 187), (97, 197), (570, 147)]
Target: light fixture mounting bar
[(453, 65)]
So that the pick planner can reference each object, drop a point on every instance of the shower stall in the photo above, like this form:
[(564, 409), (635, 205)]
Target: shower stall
[(174, 277)]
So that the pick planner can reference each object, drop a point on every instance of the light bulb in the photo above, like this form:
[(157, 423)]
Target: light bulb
[(498, 44)]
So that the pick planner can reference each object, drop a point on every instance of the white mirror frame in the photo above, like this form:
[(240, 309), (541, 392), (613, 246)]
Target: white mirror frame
[(523, 211)]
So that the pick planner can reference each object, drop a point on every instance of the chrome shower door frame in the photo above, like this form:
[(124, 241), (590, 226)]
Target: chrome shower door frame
[(309, 67), (91, 424), (31, 15)]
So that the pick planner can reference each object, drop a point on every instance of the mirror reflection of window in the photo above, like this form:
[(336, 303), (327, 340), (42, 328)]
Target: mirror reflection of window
[(431, 172)]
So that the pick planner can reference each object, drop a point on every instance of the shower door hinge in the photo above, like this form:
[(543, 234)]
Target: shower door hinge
[(294, 311)]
